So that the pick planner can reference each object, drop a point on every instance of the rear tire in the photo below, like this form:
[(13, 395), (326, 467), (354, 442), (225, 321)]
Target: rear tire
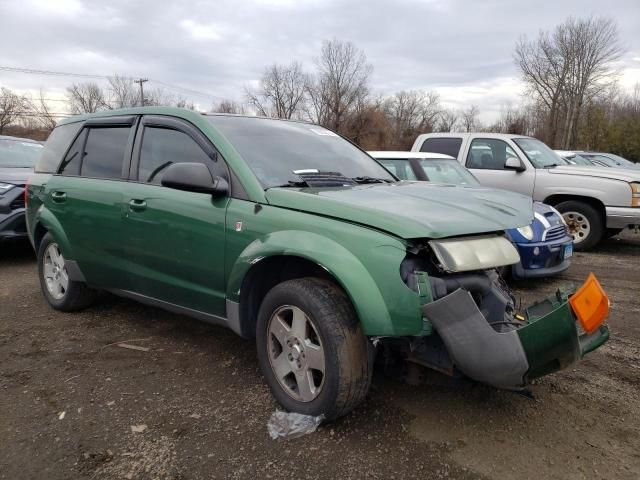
[(61, 292), (311, 348), (585, 223)]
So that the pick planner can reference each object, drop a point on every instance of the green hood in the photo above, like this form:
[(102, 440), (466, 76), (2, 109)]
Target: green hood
[(413, 209)]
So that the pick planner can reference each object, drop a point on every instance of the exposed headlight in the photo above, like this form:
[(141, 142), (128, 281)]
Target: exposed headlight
[(479, 253), (5, 187), (526, 232), (635, 194)]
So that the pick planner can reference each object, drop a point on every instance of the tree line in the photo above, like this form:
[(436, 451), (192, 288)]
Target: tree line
[(571, 97)]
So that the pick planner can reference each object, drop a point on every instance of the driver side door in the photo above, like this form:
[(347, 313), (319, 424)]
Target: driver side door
[(174, 239)]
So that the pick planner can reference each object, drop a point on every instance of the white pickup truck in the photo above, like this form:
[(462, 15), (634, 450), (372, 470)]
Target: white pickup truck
[(596, 202)]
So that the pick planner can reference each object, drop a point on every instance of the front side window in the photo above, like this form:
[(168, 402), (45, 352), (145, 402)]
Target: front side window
[(104, 152), (71, 163), (162, 147), (489, 154), (447, 171), (539, 154), (444, 145), (274, 149), (401, 168)]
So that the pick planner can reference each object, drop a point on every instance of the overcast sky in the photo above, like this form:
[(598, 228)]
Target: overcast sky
[(461, 48)]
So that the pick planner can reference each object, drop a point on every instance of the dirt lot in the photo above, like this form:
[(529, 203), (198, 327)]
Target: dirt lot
[(69, 397)]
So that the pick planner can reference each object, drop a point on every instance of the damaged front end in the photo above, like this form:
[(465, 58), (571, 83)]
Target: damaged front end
[(472, 325)]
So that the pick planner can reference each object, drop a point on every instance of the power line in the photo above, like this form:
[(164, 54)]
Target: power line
[(32, 71)]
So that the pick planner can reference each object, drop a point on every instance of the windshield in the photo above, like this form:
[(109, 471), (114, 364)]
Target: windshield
[(623, 162), (16, 153), (447, 171), (275, 148), (539, 154), (578, 160)]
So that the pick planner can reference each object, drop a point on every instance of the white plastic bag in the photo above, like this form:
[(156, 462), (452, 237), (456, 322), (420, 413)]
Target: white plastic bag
[(292, 425)]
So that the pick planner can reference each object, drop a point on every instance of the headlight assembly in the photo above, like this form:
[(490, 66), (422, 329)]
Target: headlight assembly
[(526, 232), (474, 253)]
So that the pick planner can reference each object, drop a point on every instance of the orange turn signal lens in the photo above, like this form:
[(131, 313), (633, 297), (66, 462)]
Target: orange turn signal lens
[(590, 303)]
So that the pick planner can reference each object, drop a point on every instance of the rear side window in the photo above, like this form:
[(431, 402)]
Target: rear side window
[(104, 152), (401, 168), (448, 146), (56, 145), (162, 147)]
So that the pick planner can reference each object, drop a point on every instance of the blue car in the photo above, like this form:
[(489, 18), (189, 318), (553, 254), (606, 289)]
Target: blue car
[(545, 246)]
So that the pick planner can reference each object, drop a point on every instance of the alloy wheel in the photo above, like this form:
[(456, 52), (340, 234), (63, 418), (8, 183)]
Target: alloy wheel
[(296, 354), (55, 272)]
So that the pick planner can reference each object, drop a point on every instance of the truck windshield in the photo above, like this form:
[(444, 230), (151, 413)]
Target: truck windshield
[(539, 154), (275, 148)]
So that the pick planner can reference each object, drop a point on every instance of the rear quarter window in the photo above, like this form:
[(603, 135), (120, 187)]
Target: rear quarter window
[(448, 146), (56, 146)]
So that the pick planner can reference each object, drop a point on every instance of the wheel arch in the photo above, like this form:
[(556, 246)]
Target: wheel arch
[(274, 259), (594, 202)]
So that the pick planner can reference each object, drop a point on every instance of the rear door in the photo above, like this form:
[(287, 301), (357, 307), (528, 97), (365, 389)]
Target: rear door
[(86, 197), (486, 158), (174, 239)]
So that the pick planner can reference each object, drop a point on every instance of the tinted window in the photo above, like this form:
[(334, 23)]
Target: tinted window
[(448, 146), (71, 163), (275, 148), (401, 168), (162, 147), (447, 171), (489, 154), (18, 153), (104, 152), (56, 145)]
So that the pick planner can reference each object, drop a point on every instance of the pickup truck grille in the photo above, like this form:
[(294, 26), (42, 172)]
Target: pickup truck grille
[(557, 232)]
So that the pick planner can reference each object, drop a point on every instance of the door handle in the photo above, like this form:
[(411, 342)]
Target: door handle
[(58, 196), (137, 205)]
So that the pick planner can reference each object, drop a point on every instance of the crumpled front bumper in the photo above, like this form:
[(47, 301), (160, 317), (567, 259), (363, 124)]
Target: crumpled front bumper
[(548, 339)]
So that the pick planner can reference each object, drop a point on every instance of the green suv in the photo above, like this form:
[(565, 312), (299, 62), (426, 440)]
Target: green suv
[(287, 233)]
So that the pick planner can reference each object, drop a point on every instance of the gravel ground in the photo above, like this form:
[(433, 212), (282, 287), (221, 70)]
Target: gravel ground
[(73, 404)]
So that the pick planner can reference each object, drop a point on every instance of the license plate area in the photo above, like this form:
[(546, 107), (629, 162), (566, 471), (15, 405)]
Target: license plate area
[(568, 251)]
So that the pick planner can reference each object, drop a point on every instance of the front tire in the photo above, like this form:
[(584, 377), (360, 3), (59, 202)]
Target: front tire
[(61, 292), (311, 348), (585, 223)]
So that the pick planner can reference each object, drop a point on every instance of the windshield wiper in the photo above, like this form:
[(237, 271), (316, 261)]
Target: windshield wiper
[(551, 165), (291, 184), (366, 179)]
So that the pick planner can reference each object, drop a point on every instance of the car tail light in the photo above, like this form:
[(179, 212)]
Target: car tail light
[(590, 303)]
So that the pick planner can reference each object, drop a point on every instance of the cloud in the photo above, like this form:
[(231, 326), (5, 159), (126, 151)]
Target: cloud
[(462, 48)]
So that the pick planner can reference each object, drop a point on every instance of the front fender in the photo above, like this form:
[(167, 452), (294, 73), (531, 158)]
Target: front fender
[(340, 262)]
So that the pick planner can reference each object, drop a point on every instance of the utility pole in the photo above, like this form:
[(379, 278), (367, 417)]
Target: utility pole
[(141, 81)]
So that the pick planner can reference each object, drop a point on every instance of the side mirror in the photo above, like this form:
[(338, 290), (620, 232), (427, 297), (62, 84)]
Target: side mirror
[(194, 177), (513, 163)]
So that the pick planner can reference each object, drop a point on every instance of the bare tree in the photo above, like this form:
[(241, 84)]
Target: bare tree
[(281, 91), (228, 106), (42, 112), (12, 107), (447, 120), (86, 97), (340, 84), (565, 68), (123, 93), (469, 118), (410, 113)]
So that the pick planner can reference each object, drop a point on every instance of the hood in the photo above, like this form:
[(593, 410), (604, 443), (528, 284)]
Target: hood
[(413, 209), (624, 174), (16, 175)]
